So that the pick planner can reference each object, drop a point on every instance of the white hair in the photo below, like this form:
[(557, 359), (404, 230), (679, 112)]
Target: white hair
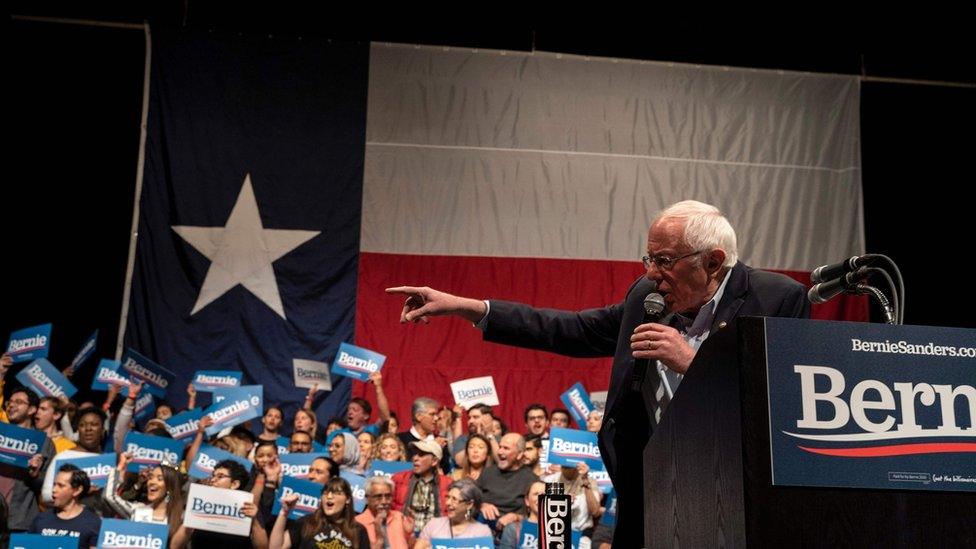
[(372, 481), (705, 228)]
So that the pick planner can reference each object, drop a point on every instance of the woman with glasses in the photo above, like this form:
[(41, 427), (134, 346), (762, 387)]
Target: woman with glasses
[(331, 525), (228, 475), (462, 506), (344, 450)]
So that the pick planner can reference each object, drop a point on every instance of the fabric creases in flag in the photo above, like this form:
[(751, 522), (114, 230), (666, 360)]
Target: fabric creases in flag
[(533, 177), (249, 217)]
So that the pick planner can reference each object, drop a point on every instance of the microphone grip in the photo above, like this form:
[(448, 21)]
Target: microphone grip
[(641, 365)]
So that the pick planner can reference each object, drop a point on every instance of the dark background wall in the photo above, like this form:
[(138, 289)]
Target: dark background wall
[(75, 100)]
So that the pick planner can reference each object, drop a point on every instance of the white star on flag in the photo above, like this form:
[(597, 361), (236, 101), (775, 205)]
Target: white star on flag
[(242, 251)]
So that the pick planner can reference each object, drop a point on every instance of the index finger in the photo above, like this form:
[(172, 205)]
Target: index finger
[(404, 290)]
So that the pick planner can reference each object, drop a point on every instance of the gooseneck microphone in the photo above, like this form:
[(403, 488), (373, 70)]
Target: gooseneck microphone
[(833, 271), (825, 291), (653, 311)]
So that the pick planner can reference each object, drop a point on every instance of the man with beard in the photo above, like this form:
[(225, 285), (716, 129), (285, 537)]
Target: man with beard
[(381, 521), (19, 486)]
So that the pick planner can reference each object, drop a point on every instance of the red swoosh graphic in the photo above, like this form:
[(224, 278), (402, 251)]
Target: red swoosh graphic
[(895, 450)]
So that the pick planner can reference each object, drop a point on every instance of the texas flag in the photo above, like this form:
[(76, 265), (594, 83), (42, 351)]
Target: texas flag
[(249, 209), (288, 182)]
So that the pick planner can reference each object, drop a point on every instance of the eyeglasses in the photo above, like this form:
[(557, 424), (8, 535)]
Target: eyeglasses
[(219, 476), (18, 401), (456, 500), (664, 262)]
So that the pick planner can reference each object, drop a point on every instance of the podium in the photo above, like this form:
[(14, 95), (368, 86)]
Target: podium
[(708, 466)]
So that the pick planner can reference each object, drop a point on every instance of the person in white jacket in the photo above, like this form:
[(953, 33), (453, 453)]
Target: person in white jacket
[(164, 494)]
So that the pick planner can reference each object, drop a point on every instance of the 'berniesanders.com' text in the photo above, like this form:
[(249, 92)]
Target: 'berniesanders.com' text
[(906, 348)]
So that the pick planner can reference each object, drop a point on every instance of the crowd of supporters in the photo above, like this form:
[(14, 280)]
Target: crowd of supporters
[(470, 476)]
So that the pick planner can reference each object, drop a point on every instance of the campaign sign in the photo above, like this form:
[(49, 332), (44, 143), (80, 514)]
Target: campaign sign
[(107, 373), (602, 479), (309, 496), (567, 447), (87, 350), (39, 541), (358, 485), (296, 465), (529, 537), (44, 379), (155, 378), (236, 406), (18, 445), (127, 534), (30, 343), (857, 405), (610, 515), (356, 362), (309, 373), (209, 456), (145, 405), (217, 510), (381, 468), (463, 543), (577, 401), (183, 426), (149, 451), (283, 443), (478, 390), (208, 380), (97, 467), (220, 393)]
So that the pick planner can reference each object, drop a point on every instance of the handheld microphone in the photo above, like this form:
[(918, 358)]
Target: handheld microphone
[(653, 311), (833, 271), (825, 291)]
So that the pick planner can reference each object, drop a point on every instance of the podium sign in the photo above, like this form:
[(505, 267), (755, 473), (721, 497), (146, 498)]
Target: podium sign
[(855, 405)]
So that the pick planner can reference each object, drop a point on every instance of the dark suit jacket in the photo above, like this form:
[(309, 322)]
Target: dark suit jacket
[(606, 332)]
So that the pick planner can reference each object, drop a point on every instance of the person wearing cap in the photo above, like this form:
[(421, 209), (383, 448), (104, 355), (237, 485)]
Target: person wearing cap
[(421, 493)]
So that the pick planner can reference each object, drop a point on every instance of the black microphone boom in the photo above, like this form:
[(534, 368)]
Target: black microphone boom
[(833, 271)]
